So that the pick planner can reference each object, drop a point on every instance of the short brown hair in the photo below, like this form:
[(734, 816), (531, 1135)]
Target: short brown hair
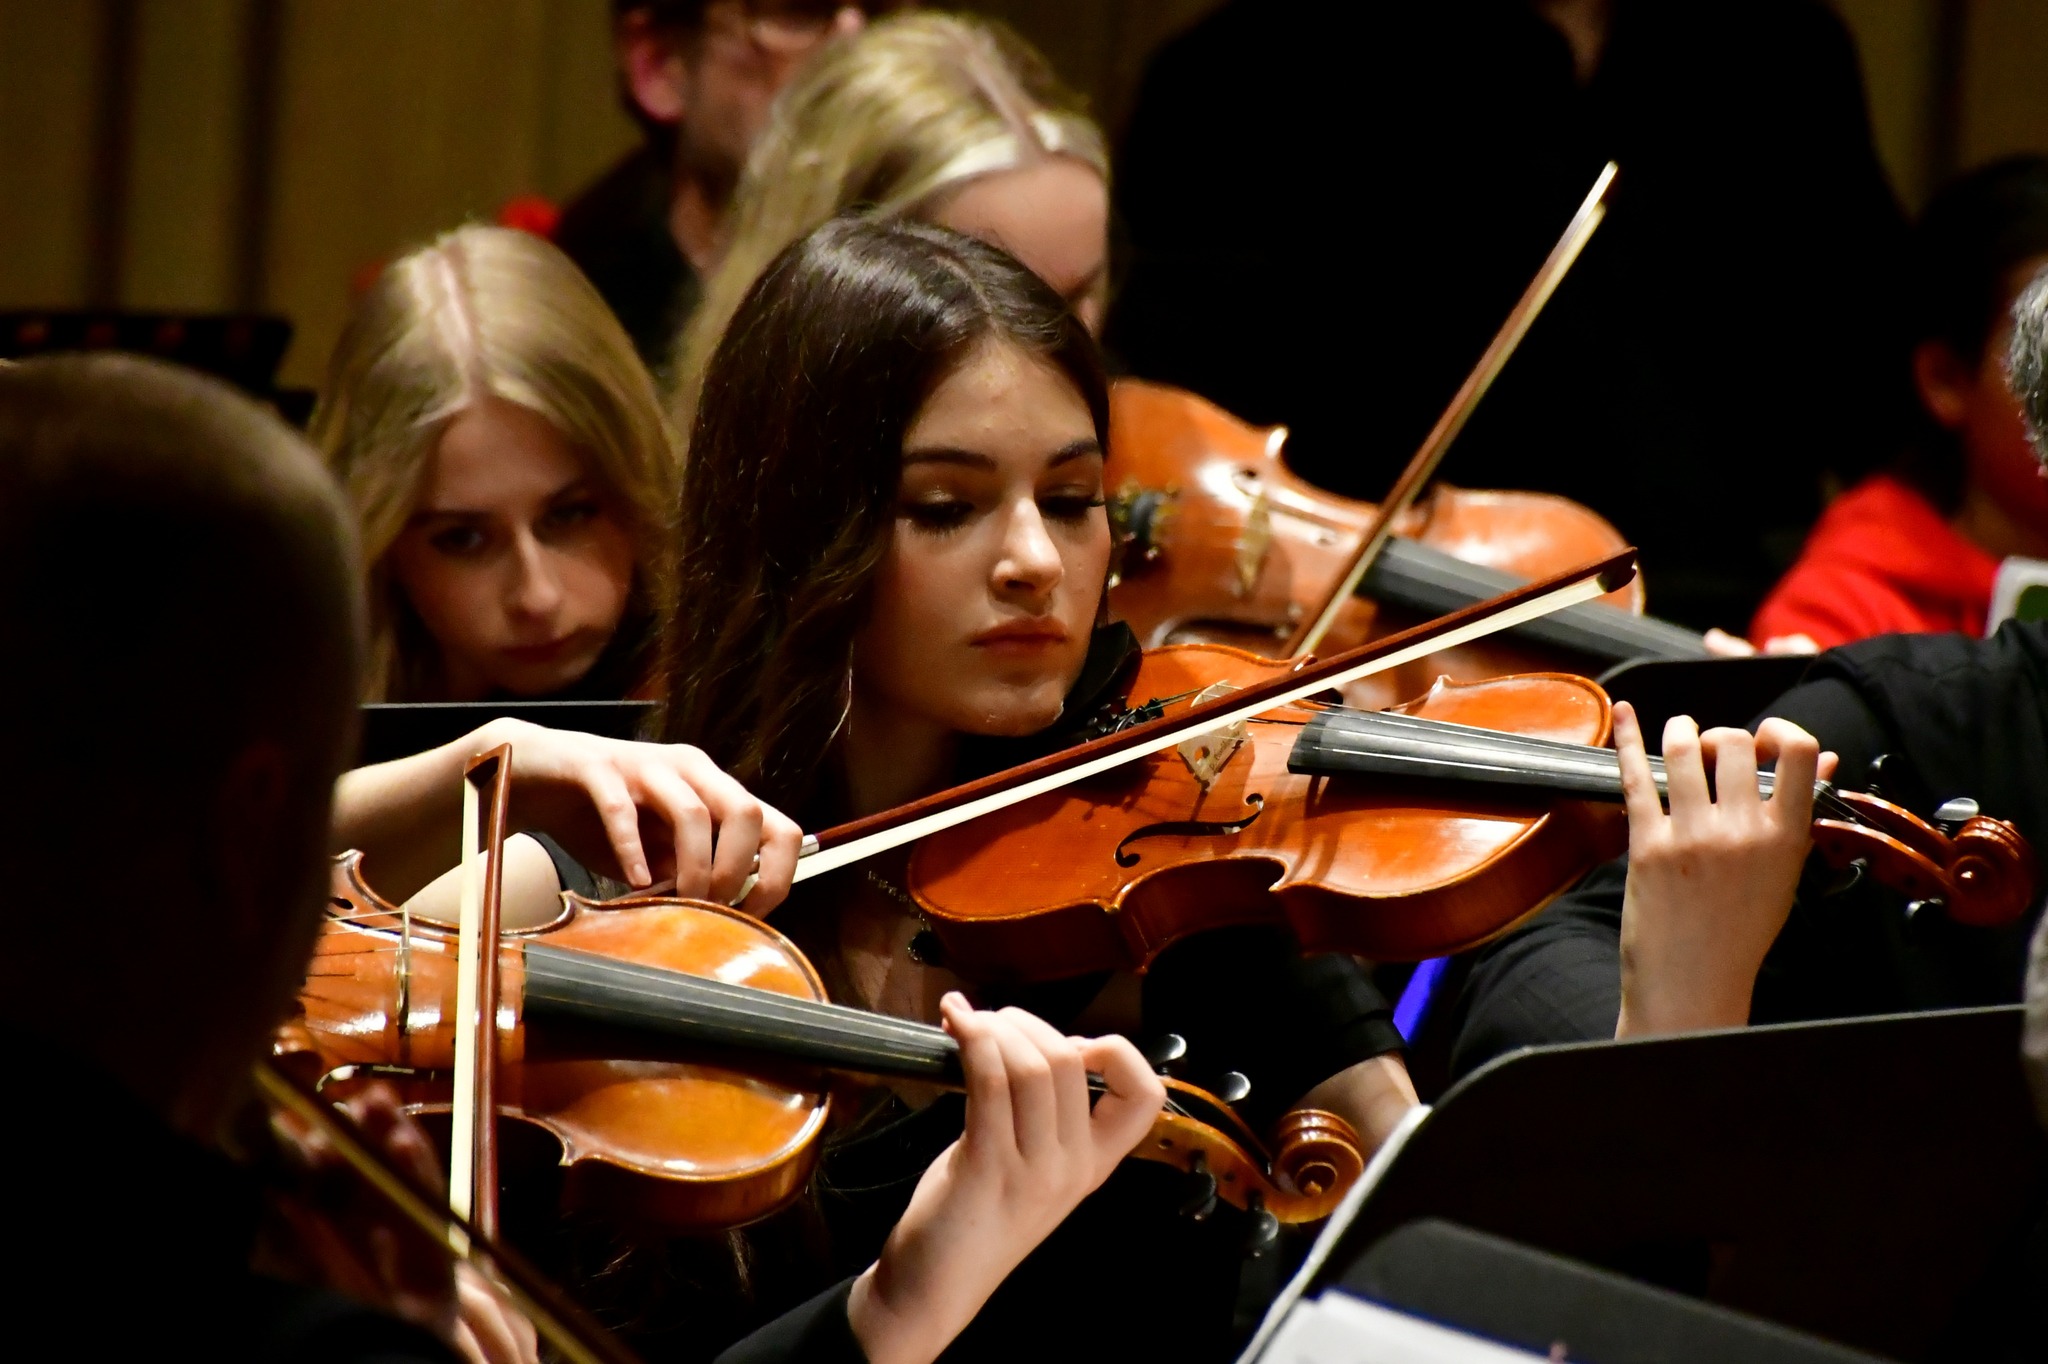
[(177, 579)]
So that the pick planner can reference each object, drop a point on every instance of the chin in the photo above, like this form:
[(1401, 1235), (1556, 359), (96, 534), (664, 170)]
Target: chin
[(1014, 714)]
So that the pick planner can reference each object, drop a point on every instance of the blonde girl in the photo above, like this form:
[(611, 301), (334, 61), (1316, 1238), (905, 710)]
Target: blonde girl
[(511, 471), (946, 119)]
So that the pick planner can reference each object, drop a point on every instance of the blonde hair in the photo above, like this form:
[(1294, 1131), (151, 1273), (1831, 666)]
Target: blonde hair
[(486, 311), (912, 107)]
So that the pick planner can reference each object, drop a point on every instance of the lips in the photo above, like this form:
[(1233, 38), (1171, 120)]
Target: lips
[(1022, 635), (541, 653)]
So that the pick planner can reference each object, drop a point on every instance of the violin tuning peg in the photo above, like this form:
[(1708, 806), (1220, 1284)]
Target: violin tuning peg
[(1914, 908), (1165, 1051), (1872, 777), (1231, 1087), (1201, 1199), (1263, 1233), (1954, 814), (1827, 882)]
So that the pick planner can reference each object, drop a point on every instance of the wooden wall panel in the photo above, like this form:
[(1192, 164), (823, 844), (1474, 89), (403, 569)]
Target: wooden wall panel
[(2004, 105), (1899, 43), (49, 59), (390, 120), (186, 173)]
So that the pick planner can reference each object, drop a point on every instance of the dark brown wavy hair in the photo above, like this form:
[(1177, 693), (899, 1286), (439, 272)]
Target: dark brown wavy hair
[(789, 490)]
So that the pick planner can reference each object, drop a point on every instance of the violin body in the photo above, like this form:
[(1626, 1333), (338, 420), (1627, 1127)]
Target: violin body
[(732, 1133), (1225, 544), (1104, 874), (672, 1143)]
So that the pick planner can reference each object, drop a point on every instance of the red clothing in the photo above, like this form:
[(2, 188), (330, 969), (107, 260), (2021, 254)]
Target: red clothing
[(1881, 560)]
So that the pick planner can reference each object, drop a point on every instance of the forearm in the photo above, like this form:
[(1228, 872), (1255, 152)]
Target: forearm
[(405, 816), (1373, 1096)]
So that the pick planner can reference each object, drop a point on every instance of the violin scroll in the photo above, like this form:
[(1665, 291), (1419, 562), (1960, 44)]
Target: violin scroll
[(1316, 1158), (1318, 1153), (1984, 875)]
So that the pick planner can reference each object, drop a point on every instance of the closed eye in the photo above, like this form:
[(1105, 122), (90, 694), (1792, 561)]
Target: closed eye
[(939, 514)]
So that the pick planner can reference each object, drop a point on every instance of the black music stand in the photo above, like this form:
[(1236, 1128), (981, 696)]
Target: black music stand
[(1866, 1180), (1713, 691), (394, 730)]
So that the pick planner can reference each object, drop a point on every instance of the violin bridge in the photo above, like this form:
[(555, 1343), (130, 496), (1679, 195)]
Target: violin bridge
[(1253, 542), (1206, 755)]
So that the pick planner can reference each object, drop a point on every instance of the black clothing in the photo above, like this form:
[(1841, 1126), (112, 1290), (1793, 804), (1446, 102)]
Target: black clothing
[(1333, 208), (617, 231), (1956, 717), (815, 1333), (1244, 1000), (136, 1242)]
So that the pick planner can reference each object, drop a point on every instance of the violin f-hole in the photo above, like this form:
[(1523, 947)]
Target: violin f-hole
[(1189, 828)]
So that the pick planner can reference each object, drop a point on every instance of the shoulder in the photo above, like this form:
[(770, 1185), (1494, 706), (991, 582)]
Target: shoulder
[(1970, 716), (1881, 559)]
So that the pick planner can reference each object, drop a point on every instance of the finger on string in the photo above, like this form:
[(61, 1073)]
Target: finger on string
[(1638, 784), (991, 1126), (1032, 1103), (1069, 1075), (1685, 772), (1798, 757), (1734, 754), (1132, 1094)]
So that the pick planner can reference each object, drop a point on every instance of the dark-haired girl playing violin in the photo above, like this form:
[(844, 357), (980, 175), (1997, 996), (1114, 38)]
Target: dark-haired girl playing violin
[(894, 559)]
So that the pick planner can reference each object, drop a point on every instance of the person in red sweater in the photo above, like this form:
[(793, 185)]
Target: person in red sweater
[(1915, 548)]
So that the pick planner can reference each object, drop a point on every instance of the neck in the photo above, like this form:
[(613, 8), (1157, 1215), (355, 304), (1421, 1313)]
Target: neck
[(891, 758), (696, 219), (1987, 523)]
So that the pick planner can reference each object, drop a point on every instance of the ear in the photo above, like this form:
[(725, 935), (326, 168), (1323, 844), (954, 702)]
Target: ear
[(651, 63), (1944, 381)]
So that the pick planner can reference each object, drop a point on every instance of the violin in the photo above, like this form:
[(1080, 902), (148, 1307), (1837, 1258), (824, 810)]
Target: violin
[(1396, 836), (680, 1053), (1222, 543)]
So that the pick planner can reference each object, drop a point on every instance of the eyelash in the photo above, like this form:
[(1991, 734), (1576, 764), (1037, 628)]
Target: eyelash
[(952, 513)]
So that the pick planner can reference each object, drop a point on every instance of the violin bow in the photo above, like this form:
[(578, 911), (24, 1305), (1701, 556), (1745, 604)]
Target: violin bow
[(850, 842), (1423, 466), (472, 1145), (557, 1320)]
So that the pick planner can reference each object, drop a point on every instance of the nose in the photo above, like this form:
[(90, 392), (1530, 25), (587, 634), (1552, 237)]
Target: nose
[(1030, 566), (535, 590)]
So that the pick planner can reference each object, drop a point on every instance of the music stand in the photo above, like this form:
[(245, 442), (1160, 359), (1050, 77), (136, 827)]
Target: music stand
[(394, 730), (1853, 1179)]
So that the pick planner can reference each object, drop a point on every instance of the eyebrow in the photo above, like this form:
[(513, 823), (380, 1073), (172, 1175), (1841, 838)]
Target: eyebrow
[(1073, 450), (584, 486)]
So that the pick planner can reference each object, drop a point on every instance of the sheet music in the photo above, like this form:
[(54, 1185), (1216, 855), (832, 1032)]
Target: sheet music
[(1337, 1328)]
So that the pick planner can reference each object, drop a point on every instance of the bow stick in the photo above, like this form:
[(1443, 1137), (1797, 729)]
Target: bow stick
[(1423, 466), (850, 842)]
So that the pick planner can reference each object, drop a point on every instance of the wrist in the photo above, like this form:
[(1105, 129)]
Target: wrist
[(886, 1334), (1644, 1014)]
